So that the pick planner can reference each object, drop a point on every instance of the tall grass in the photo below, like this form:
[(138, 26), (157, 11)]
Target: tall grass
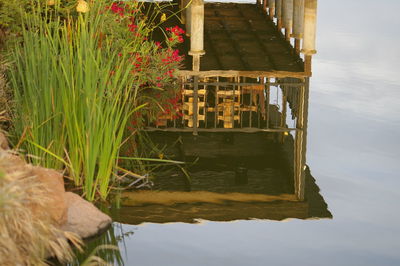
[(73, 96), (97, 101), (78, 78), (39, 114)]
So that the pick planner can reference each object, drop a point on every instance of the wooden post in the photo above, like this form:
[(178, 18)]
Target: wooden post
[(267, 96), (188, 15), (197, 32), (278, 13), (287, 17), (265, 4), (307, 64), (298, 23), (284, 111), (195, 104), (310, 27), (301, 142), (271, 5)]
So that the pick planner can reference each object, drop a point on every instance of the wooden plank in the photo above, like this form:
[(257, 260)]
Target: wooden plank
[(264, 48), (233, 41), (212, 48), (244, 73), (243, 130)]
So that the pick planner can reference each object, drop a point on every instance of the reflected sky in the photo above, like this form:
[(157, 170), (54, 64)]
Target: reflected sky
[(353, 151)]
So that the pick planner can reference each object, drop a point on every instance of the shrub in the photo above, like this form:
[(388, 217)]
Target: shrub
[(78, 78)]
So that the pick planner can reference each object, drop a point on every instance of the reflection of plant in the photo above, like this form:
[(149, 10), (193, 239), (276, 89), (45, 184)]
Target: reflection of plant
[(103, 249), (79, 78)]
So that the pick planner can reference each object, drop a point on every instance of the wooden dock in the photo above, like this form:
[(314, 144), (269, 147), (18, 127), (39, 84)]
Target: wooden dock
[(247, 69), (242, 37)]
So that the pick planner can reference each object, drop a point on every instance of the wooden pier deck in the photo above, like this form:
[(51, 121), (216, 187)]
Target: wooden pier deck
[(242, 37)]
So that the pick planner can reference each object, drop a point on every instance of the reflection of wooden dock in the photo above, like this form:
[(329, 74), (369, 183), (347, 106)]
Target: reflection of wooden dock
[(272, 190), (237, 207), (241, 37), (247, 69)]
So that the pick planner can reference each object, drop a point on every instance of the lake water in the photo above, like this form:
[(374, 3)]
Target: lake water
[(353, 153)]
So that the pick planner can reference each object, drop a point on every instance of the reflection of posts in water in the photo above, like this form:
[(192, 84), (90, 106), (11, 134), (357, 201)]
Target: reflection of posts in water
[(196, 32), (265, 5), (271, 5), (309, 33), (298, 23), (278, 13), (186, 14), (287, 17), (301, 141)]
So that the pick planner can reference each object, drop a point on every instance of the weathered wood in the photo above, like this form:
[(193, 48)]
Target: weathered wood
[(301, 143), (242, 130), (249, 74), (287, 17), (212, 48), (310, 27), (233, 42), (271, 9), (264, 48), (298, 19)]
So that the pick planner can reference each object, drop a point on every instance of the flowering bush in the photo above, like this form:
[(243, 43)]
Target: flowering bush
[(155, 63)]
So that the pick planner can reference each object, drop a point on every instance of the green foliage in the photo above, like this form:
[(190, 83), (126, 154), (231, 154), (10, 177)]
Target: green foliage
[(10, 13), (77, 81)]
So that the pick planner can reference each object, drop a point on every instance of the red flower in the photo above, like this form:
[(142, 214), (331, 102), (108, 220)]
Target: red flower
[(132, 27), (116, 8)]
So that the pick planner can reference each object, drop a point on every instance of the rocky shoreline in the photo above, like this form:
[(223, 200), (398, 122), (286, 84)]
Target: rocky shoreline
[(69, 211)]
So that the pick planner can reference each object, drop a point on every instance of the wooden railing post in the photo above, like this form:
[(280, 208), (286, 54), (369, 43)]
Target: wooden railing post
[(278, 13), (287, 17), (298, 23), (309, 33), (196, 32), (271, 9)]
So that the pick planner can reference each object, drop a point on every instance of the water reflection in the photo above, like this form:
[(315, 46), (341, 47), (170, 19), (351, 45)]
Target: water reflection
[(215, 195), (246, 130), (106, 247)]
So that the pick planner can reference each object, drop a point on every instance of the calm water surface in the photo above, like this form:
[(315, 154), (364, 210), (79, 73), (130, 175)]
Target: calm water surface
[(353, 152)]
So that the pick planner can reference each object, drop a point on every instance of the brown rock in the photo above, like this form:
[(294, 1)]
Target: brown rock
[(84, 218), (54, 182), (51, 180), (11, 163)]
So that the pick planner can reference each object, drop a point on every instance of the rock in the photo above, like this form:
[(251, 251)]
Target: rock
[(10, 162), (68, 211), (84, 218), (3, 142), (54, 182), (50, 179)]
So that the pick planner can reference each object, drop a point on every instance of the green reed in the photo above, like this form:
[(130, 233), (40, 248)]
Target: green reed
[(73, 97)]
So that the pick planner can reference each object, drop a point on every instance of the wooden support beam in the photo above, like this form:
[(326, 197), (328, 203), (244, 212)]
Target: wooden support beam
[(287, 17), (310, 27), (265, 5), (278, 13), (271, 9), (243, 130), (250, 74), (301, 142)]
